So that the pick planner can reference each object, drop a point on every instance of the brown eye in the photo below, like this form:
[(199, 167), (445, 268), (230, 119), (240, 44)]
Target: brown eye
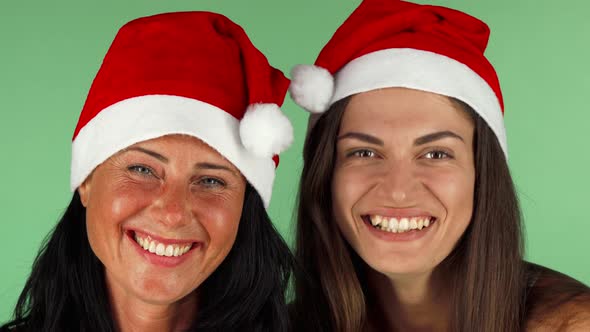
[(437, 154), (363, 153)]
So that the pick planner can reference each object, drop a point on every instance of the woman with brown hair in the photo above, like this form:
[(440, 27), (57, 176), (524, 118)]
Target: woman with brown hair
[(408, 219)]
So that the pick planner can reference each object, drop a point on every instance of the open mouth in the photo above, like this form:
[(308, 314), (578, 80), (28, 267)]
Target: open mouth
[(161, 248), (399, 225)]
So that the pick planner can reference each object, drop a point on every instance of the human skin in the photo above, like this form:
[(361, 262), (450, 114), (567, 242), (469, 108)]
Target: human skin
[(174, 190), (404, 153)]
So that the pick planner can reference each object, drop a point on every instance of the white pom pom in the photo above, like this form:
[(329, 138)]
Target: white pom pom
[(312, 87), (265, 130)]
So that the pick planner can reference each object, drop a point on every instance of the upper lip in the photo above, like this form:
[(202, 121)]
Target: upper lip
[(399, 213), (145, 234)]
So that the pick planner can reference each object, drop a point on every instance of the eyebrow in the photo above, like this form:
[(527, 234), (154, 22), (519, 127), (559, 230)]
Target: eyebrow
[(205, 165), (201, 165), (149, 152), (362, 137), (418, 141), (436, 136)]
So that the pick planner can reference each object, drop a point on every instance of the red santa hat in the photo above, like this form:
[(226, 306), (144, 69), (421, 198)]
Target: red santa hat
[(389, 43), (192, 73)]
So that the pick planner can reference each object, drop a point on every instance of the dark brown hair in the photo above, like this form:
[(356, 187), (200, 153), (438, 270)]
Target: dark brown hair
[(488, 283), (67, 291)]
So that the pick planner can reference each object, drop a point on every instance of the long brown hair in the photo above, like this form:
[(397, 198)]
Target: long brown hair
[(488, 282)]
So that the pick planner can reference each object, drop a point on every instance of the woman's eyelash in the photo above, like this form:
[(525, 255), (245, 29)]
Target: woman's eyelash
[(362, 153), (212, 182), (437, 154), (142, 170)]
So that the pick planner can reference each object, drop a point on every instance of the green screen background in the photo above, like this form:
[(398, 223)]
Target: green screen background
[(51, 50)]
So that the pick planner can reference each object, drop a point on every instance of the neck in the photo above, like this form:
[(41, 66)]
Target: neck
[(417, 302), (132, 314)]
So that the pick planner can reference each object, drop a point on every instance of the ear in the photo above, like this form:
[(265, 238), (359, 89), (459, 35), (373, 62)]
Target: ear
[(84, 191)]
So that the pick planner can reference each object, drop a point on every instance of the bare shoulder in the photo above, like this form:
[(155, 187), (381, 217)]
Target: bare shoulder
[(556, 302)]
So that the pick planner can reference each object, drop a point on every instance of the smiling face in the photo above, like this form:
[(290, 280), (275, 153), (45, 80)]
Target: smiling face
[(403, 178), (162, 215)]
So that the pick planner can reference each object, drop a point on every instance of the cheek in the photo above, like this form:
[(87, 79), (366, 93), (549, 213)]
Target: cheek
[(108, 210), (220, 220), (117, 205), (343, 193), (351, 183), (348, 189), (455, 191)]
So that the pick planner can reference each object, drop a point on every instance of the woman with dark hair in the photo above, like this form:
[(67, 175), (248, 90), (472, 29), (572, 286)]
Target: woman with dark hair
[(173, 161), (408, 218)]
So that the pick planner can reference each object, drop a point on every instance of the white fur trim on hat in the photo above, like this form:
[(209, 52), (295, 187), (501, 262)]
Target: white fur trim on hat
[(265, 130), (142, 118), (426, 71), (311, 87)]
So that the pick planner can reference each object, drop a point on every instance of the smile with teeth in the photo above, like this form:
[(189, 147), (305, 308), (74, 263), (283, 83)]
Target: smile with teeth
[(161, 249), (400, 225)]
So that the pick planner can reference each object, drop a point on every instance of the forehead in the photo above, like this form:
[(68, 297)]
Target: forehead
[(179, 140), (404, 110), (176, 146)]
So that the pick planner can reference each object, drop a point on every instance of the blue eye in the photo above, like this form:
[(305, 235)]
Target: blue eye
[(362, 153), (437, 154), (211, 182), (142, 170)]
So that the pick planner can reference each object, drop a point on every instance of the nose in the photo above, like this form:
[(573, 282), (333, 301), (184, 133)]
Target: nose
[(171, 207), (398, 183)]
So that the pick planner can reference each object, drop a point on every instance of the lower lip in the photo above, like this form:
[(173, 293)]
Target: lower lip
[(398, 237), (163, 261)]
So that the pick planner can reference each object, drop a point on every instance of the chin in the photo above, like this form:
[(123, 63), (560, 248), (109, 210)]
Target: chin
[(158, 291), (405, 270), (399, 266)]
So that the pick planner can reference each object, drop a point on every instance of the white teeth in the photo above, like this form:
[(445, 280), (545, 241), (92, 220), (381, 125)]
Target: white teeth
[(169, 250), (376, 220), (413, 223), (404, 225), (161, 249), (392, 225)]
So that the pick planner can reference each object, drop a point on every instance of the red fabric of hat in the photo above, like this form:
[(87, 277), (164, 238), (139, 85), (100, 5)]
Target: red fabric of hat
[(194, 73), (389, 43)]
